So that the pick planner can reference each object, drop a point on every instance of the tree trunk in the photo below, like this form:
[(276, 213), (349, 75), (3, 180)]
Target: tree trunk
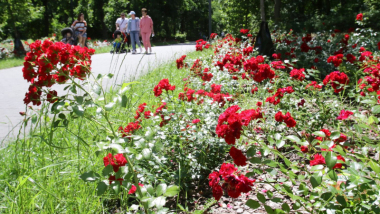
[(209, 19), (277, 6), (46, 18), (262, 9), (18, 47)]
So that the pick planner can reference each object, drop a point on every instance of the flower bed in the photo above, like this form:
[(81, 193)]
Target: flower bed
[(293, 132)]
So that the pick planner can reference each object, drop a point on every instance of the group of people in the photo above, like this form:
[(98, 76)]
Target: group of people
[(135, 27), (132, 27)]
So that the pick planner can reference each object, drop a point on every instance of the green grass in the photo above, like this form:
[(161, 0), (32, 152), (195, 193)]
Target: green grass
[(39, 175), (11, 62)]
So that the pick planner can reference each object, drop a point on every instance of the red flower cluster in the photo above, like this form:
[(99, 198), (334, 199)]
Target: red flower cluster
[(244, 31), (200, 44), (372, 80), (287, 118), (247, 51), (237, 155), (134, 188), (344, 114), (230, 122), (359, 17), (213, 35), (277, 65), (314, 85), (365, 56), (351, 58), (48, 63), (234, 182), (180, 62), (129, 129), (279, 94), (163, 85), (336, 79), (207, 76), (320, 160), (336, 60), (298, 74), (115, 161)]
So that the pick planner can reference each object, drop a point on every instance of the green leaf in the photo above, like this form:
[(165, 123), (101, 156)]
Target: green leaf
[(124, 101), (252, 204), (117, 147), (161, 189), (316, 179), (34, 118), (146, 153), (107, 170), (269, 194), (251, 151), (369, 101), (159, 202), (268, 209), (90, 176), (335, 135), (285, 207), (172, 191), (255, 160), (73, 89), (109, 106), (150, 189), (126, 84), (293, 138), (375, 167), (330, 159), (101, 188), (278, 211), (319, 134), (261, 198), (57, 106), (78, 110), (376, 109), (97, 89), (110, 75), (79, 99), (280, 143), (341, 200), (332, 174)]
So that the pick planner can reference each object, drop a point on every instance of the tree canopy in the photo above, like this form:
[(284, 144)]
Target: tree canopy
[(40, 18)]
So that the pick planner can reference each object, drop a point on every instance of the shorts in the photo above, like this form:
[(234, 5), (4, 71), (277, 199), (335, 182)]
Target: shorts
[(79, 32)]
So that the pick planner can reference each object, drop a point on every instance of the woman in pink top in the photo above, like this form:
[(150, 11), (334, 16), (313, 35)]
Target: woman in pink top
[(146, 29)]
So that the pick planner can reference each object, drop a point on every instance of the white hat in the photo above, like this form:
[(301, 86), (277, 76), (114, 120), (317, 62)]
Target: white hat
[(132, 13)]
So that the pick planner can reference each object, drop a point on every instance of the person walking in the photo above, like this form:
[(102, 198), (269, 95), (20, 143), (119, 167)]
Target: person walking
[(133, 30), (121, 25), (80, 28), (146, 28)]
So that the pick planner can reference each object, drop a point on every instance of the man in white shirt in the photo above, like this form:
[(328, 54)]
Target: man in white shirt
[(122, 24)]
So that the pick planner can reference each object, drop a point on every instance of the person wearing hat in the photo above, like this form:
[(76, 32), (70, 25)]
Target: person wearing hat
[(133, 30)]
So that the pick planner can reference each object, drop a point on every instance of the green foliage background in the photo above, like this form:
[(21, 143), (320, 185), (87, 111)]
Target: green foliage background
[(40, 18)]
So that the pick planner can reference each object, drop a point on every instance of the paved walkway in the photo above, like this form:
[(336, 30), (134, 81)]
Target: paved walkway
[(126, 67)]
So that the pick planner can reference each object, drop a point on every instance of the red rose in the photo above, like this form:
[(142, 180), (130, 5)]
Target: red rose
[(304, 149), (237, 155), (359, 17), (318, 160), (344, 114)]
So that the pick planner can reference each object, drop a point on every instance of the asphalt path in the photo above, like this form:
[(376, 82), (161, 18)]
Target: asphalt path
[(125, 67)]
